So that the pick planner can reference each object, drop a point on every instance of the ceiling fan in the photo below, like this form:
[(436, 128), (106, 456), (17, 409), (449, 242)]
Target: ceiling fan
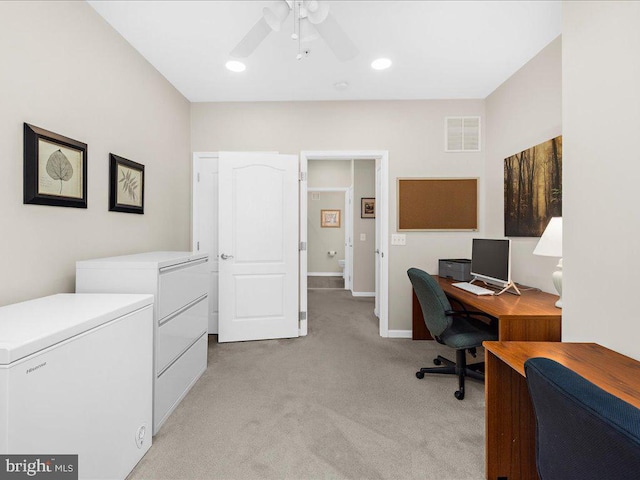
[(311, 19)]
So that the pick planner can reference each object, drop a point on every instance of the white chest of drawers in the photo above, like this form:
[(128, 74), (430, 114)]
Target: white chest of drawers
[(179, 282)]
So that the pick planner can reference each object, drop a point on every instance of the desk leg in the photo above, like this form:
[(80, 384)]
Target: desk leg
[(510, 424)]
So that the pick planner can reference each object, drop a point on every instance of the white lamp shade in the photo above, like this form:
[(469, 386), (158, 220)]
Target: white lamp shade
[(550, 244)]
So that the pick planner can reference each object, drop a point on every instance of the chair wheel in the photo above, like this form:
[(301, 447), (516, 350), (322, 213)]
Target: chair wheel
[(420, 375), (459, 395), (437, 361)]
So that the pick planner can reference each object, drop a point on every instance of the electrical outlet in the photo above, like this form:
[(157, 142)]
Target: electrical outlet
[(398, 239), (363, 237)]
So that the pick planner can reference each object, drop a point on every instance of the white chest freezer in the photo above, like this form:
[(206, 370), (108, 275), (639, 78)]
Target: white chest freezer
[(76, 378)]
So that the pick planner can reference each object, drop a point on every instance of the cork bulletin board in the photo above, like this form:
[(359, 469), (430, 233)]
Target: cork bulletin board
[(437, 204)]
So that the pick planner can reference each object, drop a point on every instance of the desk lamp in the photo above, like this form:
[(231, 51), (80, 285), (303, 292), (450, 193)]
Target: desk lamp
[(550, 245)]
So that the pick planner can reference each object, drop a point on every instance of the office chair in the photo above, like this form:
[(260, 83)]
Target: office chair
[(456, 329), (582, 432)]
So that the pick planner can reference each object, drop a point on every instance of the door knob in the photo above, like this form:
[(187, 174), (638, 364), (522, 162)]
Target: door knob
[(224, 256)]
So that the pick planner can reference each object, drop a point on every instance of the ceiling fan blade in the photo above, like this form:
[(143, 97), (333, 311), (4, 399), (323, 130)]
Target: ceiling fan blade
[(252, 39), (338, 41)]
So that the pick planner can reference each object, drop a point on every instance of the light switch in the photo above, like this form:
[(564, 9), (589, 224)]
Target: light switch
[(363, 237), (398, 239)]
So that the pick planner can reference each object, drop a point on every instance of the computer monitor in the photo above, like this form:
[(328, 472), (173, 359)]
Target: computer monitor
[(491, 260)]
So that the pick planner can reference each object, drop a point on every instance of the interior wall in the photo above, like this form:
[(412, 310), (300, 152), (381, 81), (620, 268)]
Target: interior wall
[(364, 186), (66, 70), (601, 98), (524, 111), (329, 174), (412, 132), (322, 240)]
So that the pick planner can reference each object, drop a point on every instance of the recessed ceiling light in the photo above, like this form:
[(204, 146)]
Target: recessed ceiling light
[(235, 66), (381, 64), (341, 85)]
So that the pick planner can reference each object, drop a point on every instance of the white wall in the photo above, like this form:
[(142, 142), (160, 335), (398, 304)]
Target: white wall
[(524, 111), (601, 103), (364, 186), (329, 174), (412, 132), (322, 240), (63, 68)]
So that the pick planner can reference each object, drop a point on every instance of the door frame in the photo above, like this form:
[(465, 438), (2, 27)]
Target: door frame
[(382, 220)]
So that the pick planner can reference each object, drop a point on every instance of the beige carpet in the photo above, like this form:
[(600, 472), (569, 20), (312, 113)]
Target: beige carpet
[(340, 403), (325, 282)]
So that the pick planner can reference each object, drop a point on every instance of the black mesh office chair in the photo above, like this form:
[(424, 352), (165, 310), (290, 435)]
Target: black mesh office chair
[(456, 329), (582, 432)]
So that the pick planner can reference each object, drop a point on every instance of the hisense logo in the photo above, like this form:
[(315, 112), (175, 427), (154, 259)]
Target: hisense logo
[(30, 468), (33, 369)]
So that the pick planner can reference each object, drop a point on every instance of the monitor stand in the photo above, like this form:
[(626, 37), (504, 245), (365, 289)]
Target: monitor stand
[(506, 287)]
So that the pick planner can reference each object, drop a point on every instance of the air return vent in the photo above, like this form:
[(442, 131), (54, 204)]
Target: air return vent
[(462, 134)]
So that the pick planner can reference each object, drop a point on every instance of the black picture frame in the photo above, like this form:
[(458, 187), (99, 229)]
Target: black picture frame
[(367, 207), (126, 185), (48, 158)]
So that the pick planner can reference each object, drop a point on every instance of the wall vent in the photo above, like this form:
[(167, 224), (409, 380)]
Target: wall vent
[(462, 134), (315, 196)]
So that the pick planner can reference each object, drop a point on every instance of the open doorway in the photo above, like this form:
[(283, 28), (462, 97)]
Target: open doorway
[(328, 235), (377, 161)]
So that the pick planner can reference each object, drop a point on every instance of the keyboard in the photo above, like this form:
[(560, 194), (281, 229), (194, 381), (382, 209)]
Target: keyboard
[(475, 289)]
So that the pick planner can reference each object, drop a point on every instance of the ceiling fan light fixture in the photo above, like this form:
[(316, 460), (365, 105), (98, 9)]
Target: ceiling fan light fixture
[(381, 64), (308, 32), (235, 66), (276, 15), (317, 11)]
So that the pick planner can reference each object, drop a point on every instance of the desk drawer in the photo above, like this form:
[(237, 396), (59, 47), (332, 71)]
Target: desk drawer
[(180, 285), (177, 380), (179, 331)]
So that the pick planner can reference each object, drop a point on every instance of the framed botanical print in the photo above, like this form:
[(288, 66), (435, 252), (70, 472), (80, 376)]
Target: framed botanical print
[(55, 169), (126, 185)]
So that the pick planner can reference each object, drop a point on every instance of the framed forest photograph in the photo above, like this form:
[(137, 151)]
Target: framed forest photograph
[(55, 169), (126, 185), (533, 189)]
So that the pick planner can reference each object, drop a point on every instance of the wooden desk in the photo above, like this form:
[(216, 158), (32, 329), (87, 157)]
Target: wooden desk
[(531, 316), (510, 420)]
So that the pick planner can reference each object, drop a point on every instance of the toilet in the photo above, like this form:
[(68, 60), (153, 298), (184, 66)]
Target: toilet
[(341, 263)]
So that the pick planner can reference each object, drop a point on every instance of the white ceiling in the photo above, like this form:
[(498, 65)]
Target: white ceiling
[(439, 49)]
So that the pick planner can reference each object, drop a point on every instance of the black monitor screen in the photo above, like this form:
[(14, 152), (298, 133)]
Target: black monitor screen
[(490, 258)]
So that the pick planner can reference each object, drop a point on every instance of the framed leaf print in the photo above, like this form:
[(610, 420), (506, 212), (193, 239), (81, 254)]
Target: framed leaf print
[(55, 169), (126, 185)]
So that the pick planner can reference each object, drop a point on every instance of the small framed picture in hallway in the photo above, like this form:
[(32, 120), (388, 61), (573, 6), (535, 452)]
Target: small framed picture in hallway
[(367, 208), (330, 218)]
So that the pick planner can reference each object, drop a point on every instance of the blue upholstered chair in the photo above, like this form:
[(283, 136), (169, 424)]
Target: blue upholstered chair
[(456, 329), (582, 432)]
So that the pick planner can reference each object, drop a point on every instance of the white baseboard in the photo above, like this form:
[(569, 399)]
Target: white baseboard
[(400, 334), (363, 294), (324, 274)]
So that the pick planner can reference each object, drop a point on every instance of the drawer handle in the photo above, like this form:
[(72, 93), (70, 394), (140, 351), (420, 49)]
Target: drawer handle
[(170, 317), (187, 264)]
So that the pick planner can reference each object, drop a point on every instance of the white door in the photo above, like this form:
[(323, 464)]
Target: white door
[(258, 246), (348, 239), (376, 307), (205, 223)]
